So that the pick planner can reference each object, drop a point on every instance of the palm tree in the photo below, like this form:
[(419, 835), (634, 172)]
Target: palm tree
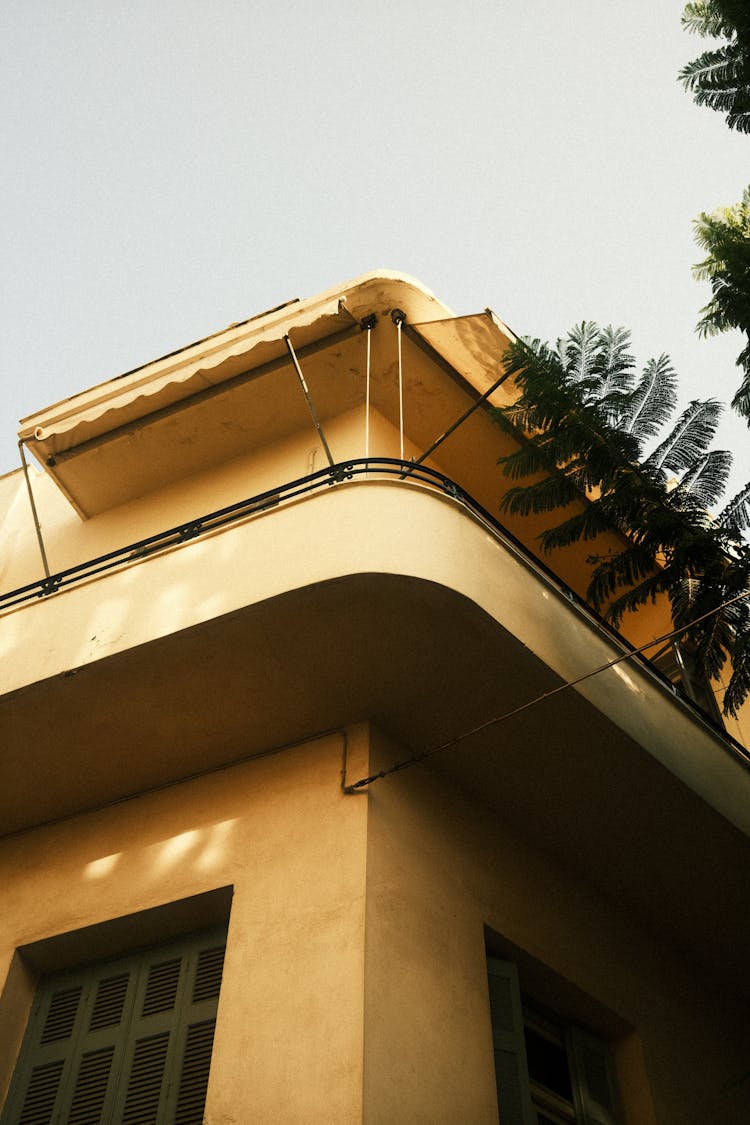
[(725, 236), (586, 420), (720, 78)]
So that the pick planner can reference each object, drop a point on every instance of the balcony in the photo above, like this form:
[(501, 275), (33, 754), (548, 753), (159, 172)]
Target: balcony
[(374, 592)]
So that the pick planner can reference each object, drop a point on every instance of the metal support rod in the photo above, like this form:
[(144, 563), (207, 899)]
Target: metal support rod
[(400, 392), (308, 400), (398, 317), (37, 525), (211, 392), (367, 324), (367, 398), (456, 424)]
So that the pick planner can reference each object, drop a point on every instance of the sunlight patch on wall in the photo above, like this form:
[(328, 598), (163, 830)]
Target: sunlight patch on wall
[(99, 868), (214, 848), (627, 679), (175, 849)]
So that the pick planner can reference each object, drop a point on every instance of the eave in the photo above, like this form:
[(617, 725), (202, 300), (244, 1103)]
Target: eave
[(221, 397)]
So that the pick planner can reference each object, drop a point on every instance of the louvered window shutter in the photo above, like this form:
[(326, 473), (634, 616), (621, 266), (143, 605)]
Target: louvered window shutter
[(594, 1087), (513, 1096), (171, 1036), (72, 1047), (122, 1043)]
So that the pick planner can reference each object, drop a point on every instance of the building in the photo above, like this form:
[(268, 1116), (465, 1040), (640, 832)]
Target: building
[(248, 594)]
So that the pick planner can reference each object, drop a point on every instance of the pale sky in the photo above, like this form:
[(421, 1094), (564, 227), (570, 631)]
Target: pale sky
[(171, 167)]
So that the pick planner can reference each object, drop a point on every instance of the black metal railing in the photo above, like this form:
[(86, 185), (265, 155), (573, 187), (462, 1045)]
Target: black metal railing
[(222, 517)]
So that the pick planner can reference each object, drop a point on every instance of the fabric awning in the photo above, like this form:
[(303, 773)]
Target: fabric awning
[(220, 398), (472, 345), (65, 427)]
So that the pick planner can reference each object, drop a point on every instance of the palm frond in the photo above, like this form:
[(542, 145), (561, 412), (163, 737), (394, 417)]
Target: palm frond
[(584, 525), (534, 455), (706, 479), (546, 495), (614, 363), (736, 514), (725, 236), (720, 77), (703, 17), (653, 399), (739, 116), (712, 71), (581, 424), (741, 401), (634, 597), (689, 437), (579, 352)]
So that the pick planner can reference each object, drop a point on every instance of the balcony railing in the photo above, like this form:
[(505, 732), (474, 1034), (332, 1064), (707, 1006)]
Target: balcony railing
[(670, 668), (233, 513)]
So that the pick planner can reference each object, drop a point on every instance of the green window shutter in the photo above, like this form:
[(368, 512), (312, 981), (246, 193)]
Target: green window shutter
[(69, 1054), (151, 1054), (204, 981), (100, 1042), (594, 1086), (125, 1042), (511, 1071), (165, 1071)]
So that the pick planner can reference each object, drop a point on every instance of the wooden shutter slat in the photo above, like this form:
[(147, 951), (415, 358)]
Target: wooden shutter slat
[(145, 1081), (90, 1090), (196, 1061), (208, 974), (128, 1041), (161, 988), (110, 1001), (41, 1094), (61, 1016)]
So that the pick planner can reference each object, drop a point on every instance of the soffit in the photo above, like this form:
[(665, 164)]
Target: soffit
[(567, 778), (473, 346)]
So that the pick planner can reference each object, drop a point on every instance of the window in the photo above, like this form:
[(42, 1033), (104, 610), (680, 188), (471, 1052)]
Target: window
[(124, 1041), (548, 1073)]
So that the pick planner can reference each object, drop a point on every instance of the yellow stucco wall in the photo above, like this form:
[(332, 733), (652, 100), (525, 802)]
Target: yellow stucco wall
[(289, 1034), (440, 868), (355, 987)]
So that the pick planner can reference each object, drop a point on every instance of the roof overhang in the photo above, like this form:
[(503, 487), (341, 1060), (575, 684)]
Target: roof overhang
[(472, 346), (222, 396), (69, 426)]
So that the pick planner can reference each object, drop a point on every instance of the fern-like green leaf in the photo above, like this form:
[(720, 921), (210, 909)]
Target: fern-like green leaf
[(652, 401), (736, 514), (705, 480), (689, 437)]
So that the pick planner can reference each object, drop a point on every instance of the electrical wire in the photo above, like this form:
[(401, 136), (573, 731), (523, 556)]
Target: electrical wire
[(415, 759)]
